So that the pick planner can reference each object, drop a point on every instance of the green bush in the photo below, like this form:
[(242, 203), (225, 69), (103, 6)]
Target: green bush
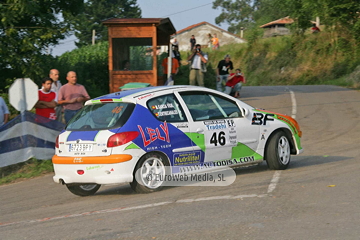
[(91, 65)]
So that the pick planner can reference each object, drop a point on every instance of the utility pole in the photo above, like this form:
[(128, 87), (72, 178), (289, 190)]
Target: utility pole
[(93, 37), (242, 32), (169, 66)]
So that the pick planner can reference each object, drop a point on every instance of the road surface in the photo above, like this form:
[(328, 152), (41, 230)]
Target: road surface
[(317, 197)]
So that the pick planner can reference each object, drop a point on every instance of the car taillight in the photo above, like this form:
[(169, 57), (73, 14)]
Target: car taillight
[(57, 142), (121, 138)]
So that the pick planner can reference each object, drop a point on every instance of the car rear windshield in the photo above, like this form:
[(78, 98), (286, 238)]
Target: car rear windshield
[(101, 116)]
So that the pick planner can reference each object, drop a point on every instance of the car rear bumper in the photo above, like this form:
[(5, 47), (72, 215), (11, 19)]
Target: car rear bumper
[(115, 158), (94, 173)]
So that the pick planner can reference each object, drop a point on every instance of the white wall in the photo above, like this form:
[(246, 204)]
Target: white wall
[(201, 36)]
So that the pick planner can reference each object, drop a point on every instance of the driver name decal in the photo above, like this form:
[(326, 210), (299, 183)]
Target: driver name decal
[(166, 113), (162, 106)]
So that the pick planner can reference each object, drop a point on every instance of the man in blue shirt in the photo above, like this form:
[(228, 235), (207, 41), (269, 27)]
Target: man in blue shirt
[(4, 112)]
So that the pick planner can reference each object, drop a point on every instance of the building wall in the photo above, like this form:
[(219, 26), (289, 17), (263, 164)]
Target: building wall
[(276, 31), (201, 35)]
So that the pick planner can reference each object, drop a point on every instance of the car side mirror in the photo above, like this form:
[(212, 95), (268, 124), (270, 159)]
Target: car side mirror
[(246, 112)]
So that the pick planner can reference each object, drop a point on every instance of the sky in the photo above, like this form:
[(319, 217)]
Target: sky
[(182, 14)]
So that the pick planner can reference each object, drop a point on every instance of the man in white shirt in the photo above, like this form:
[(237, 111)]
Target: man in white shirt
[(55, 87), (4, 112), (198, 60)]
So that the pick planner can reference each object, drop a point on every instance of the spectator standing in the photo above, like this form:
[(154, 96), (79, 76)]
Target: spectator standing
[(222, 72), (55, 87), (174, 42), (174, 67), (72, 96), (47, 102), (215, 42), (4, 112), (315, 29), (234, 83), (210, 41), (198, 61), (192, 42), (176, 54)]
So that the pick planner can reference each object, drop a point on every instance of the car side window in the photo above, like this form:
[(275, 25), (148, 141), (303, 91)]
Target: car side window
[(230, 108), (166, 108), (203, 106)]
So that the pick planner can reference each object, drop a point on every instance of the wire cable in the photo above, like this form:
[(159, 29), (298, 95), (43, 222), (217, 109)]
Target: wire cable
[(187, 10)]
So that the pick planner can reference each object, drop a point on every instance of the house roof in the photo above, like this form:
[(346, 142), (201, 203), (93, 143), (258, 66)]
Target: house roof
[(164, 24), (132, 20), (285, 20), (203, 23)]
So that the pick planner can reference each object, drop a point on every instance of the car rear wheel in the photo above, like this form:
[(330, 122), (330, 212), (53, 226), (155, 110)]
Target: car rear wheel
[(83, 189), (149, 173), (278, 152)]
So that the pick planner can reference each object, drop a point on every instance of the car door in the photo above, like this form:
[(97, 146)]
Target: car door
[(219, 128), (166, 108)]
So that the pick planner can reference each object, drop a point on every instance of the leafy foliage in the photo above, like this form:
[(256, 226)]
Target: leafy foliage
[(95, 11), (91, 65), (27, 29), (238, 13), (340, 15), (323, 58), (247, 14)]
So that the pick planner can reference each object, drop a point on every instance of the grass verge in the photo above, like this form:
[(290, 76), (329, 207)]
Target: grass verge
[(29, 169)]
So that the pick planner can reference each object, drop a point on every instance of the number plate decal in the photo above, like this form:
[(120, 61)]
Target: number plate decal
[(80, 147)]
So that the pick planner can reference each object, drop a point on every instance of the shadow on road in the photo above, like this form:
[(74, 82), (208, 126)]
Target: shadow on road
[(296, 162), (307, 161)]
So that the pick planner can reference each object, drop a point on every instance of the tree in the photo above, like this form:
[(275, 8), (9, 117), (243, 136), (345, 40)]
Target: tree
[(91, 66), (248, 13), (237, 14), (95, 11), (27, 29), (343, 14)]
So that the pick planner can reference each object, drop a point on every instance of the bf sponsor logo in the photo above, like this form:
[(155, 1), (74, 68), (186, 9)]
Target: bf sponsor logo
[(262, 119)]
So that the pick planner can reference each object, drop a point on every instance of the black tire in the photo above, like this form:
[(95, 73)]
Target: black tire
[(83, 189), (147, 183), (278, 151)]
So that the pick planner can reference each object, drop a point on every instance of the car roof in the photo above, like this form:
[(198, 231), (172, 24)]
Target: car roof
[(142, 91), (136, 94)]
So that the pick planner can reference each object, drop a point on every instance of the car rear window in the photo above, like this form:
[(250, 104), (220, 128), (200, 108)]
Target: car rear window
[(101, 116)]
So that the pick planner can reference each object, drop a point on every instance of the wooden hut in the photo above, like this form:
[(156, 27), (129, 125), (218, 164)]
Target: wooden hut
[(277, 27), (133, 44)]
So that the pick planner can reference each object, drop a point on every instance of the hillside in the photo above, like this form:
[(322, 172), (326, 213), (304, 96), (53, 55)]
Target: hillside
[(324, 58)]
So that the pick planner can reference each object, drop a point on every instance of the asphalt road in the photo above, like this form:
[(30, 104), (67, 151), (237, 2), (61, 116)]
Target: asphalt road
[(317, 197)]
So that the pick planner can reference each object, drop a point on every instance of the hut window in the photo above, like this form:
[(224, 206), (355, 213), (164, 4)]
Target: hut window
[(132, 54)]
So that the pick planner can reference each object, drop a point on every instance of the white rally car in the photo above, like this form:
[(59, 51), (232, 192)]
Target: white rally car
[(178, 126)]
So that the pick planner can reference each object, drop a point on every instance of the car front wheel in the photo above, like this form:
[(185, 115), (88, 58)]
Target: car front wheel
[(83, 189), (278, 152)]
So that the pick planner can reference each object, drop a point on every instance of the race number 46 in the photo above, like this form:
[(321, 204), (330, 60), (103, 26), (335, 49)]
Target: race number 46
[(218, 138)]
